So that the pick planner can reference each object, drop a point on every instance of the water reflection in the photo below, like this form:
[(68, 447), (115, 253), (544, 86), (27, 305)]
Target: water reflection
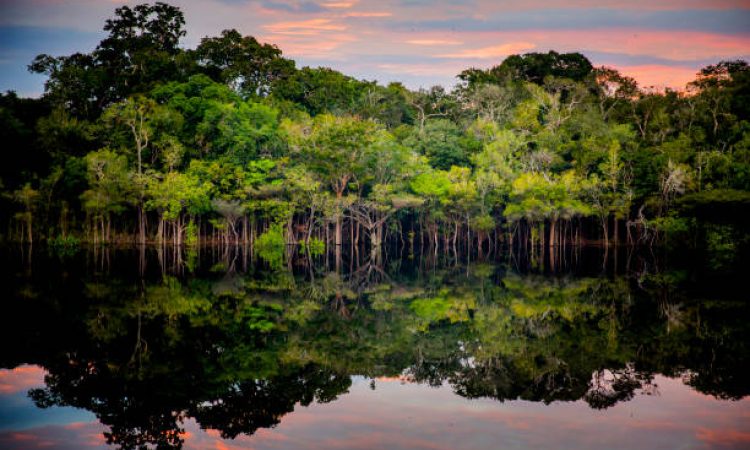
[(152, 343)]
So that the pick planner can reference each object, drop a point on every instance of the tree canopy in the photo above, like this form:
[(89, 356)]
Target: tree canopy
[(144, 140)]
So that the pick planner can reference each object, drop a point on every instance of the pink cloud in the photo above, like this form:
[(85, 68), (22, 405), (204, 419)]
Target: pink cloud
[(76, 435), (305, 27), (21, 378), (338, 5), (434, 42), (301, 45), (724, 437), (368, 14), (659, 76), (495, 51), (678, 46), (638, 5)]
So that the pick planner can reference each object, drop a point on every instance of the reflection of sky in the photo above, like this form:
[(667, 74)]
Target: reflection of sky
[(420, 42), (397, 415), (23, 425)]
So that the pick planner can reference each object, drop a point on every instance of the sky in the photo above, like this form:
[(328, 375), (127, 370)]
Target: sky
[(421, 43)]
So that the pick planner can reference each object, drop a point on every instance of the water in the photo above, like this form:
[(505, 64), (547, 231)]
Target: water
[(218, 350)]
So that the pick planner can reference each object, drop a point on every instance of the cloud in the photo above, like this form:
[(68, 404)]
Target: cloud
[(419, 69), (21, 378), (433, 42), (312, 46), (336, 5), (487, 18), (493, 52), (420, 37), (723, 437), (305, 27), (368, 14), (639, 5), (303, 7), (659, 76)]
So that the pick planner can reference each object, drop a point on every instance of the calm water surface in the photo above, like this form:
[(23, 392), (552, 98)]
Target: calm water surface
[(219, 350)]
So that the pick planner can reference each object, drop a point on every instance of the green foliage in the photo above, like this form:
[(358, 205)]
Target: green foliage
[(233, 135), (175, 193), (241, 131), (64, 246), (270, 246), (251, 68), (533, 67), (442, 142), (191, 234), (315, 248)]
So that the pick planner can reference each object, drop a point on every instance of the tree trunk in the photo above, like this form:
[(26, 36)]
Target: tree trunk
[(29, 232), (141, 226), (552, 227), (605, 230)]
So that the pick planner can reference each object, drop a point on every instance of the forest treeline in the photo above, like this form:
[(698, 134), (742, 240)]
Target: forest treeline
[(145, 141)]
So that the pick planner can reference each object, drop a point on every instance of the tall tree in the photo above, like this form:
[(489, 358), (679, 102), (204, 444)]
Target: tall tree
[(243, 63)]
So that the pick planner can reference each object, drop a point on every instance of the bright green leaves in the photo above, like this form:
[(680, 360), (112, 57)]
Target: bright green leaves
[(337, 148), (259, 318), (453, 306), (176, 193), (110, 183), (270, 246), (434, 185), (535, 197)]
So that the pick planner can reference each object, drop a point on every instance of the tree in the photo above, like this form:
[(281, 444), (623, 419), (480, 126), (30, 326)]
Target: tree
[(241, 131), (430, 103), (614, 90), (143, 121), (336, 148), (434, 187), (443, 142), (389, 167), (320, 90), (532, 67), (27, 197), (173, 195), (110, 188), (244, 64), (140, 50)]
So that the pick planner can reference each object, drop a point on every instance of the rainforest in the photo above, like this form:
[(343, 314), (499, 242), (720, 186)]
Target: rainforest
[(142, 141), (210, 246)]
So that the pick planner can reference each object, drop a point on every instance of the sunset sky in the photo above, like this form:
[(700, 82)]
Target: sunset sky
[(419, 42)]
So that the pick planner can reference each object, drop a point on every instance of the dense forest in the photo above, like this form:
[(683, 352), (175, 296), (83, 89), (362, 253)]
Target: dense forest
[(145, 141)]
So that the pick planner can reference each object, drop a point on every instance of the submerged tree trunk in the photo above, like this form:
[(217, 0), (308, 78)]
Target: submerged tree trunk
[(141, 225)]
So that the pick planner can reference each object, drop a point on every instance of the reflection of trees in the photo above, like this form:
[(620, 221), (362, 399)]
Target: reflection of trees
[(253, 404), (608, 387), (237, 352)]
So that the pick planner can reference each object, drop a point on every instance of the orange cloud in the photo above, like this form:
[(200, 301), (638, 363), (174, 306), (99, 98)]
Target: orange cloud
[(304, 27), (672, 45), (338, 4), (659, 76), (311, 45), (723, 438), (368, 14), (639, 5), (496, 51)]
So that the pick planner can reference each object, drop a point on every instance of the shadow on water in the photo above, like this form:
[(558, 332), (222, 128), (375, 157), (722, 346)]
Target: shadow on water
[(145, 338)]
